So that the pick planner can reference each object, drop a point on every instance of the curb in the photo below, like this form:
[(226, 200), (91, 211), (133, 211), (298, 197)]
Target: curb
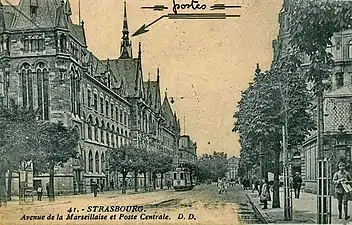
[(256, 211)]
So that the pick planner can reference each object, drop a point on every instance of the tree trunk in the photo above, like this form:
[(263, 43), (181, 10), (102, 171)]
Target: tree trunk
[(276, 187), (154, 181), (9, 185), (190, 176), (51, 184), (124, 175), (161, 181), (145, 181), (3, 197), (135, 181)]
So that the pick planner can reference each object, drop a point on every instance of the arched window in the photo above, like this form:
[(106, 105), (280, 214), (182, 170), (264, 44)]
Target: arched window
[(108, 134), (102, 131), (43, 91), (27, 86), (63, 43), (96, 133), (75, 92), (113, 136), (107, 107), (103, 162), (97, 169), (89, 124), (90, 163), (117, 114), (83, 153), (350, 49)]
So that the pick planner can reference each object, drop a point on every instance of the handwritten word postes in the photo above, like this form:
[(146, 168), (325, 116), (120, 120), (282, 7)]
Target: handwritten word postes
[(193, 5)]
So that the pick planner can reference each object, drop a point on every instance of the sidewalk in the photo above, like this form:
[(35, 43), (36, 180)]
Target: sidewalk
[(66, 199), (304, 209)]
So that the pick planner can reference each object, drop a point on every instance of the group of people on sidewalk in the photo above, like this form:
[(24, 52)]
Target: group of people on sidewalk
[(342, 181), (263, 188)]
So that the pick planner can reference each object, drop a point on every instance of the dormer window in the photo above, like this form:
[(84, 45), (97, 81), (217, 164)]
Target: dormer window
[(34, 10)]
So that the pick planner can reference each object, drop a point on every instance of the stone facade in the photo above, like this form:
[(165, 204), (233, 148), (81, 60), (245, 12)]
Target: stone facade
[(45, 64)]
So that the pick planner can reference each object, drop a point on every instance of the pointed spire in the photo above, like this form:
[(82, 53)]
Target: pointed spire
[(158, 75), (68, 9), (125, 24), (126, 49), (139, 50), (79, 12)]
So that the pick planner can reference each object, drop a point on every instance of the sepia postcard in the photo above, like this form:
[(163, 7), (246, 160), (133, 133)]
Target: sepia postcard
[(175, 112)]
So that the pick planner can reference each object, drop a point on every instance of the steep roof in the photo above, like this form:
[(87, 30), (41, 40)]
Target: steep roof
[(167, 113), (126, 70), (45, 16), (77, 31)]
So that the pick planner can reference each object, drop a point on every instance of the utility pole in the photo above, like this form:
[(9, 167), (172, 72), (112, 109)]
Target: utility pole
[(287, 189), (323, 165)]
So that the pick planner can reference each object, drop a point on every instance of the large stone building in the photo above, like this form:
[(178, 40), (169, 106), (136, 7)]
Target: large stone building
[(45, 64), (337, 106)]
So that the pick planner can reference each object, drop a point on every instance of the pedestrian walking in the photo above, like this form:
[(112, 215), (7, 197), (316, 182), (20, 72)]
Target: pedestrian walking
[(220, 186), (265, 194), (297, 183), (256, 185), (342, 180), (101, 187), (225, 185), (39, 193), (47, 189), (95, 189), (112, 185)]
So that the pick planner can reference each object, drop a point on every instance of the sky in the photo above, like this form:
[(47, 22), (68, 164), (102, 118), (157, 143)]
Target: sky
[(204, 64)]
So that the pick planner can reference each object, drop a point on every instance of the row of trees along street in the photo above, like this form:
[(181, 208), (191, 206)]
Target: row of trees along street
[(24, 138), (136, 160), (279, 97), (211, 167)]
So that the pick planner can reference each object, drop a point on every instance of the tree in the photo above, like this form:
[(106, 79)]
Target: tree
[(211, 167), (57, 144), (25, 139), (124, 160), (165, 162), (17, 142), (261, 113)]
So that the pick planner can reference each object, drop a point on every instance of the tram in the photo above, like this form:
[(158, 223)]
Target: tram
[(183, 180)]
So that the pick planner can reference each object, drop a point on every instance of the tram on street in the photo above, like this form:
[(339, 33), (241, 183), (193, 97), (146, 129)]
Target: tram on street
[(183, 180)]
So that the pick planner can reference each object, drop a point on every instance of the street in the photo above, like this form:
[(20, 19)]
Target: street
[(202, 205)]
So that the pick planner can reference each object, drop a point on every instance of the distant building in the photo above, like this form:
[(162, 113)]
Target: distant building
[(187, 151), (232, 166)]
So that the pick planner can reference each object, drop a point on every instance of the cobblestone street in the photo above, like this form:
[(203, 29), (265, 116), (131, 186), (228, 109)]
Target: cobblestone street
[(202, 205)]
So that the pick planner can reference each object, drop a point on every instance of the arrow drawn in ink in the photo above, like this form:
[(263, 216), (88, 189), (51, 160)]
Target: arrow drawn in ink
[(144, 27), (184, 16)]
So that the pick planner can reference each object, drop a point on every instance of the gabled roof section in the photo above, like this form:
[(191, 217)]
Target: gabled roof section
[(44, 17), (78, 32), (9, 13), (167, 113), (126, 71)]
